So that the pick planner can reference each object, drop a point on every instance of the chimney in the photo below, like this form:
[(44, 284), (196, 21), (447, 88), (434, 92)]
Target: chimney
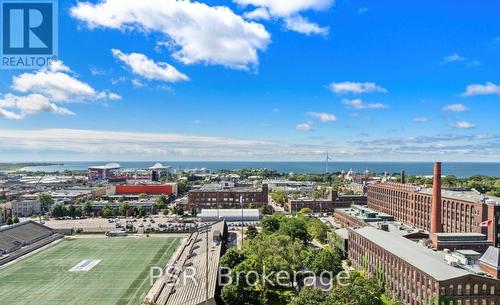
[(403, 177), (436, 225)]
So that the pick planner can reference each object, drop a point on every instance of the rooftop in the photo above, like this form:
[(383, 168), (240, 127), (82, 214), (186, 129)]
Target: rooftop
[(229, 187), (221, 213), (106, 166), (187, 291), (424, 259), (491, 257), (465, 195)]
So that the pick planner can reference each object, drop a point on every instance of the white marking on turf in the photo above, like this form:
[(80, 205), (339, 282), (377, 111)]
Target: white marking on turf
[(85, 265)]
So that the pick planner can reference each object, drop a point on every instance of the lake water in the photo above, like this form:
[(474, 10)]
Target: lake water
[(459, 169)]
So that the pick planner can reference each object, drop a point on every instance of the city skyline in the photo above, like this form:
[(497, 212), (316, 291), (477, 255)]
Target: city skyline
[(255, 80)]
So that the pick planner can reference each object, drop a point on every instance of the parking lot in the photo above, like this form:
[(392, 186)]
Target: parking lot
[(146, 224)]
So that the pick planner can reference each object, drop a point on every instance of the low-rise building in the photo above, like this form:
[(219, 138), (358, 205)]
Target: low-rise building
[(25, 208), (359, 216), (333, 201), (227, 196), (416, 274), (230, 215)]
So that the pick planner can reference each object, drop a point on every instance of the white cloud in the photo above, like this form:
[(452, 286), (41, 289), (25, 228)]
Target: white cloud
[(362, 10), (44, 89), (9, 114), (356, 88), (455, 108), (28, 105), (289, 7), (302, 25), (56, 85), (141, 65), (420, 120), (73, 144), (289, 11), (260, 13), (474, 63), (359, 104), (199, 33), (304, 127), (58, 66), (478, 89), (462, 125), (136, 83), (323, 116), (452, 58), (96, 71)]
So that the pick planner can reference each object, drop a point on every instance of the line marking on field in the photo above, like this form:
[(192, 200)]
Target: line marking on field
[(85, 265)]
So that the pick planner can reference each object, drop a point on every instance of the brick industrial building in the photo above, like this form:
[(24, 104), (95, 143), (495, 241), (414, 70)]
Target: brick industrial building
[(227, 196), (417, 275), (459, 212), (333, 201), (420, 259)]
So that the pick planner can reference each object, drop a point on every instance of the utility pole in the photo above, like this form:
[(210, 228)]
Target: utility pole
[(327, 170), (242, 227), (206, 268)]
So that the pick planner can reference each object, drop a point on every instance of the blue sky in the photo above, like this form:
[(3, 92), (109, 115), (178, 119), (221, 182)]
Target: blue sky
[(261, 80)]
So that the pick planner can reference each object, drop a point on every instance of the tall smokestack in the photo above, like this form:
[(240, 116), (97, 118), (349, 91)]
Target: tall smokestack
[(436, 225), (403, 177)]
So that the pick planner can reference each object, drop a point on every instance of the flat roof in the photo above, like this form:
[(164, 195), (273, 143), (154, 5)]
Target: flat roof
[(107, 166), (465, 195), (216, 187), (186, 291), (422, 258), (229, 213)]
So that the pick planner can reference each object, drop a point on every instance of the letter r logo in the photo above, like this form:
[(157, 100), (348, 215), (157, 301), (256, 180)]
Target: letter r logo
[(27, 27)]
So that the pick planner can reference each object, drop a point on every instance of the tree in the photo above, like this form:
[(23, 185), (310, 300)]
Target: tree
[(317, 229), (161, 202), (194, 212), (278, 196), (272, 223), (59, 211), (182, 185), (46, 201), (16, 219), (9, 221), (106, 212), (296, 228), (324, 260), (141, 212), (87, 208), (72, 211), (267, 210), (306, 211), (357, 290), (142, 195), (124, 207), (232, 258), (310, 296), (178, 210), (78, 212), (252, 232)]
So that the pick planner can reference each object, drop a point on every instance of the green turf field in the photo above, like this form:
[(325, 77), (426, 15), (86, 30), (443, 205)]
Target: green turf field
[(120, 278)]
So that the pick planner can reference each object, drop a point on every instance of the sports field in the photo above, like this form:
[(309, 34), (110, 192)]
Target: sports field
[(118, 275)]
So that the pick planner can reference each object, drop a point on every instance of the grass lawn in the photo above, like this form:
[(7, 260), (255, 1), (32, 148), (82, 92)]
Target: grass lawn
[(120, 278)]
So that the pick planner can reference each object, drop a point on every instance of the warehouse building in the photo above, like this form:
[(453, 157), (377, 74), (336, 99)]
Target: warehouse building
[(227, 195), (464, 211), (416, 274)]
